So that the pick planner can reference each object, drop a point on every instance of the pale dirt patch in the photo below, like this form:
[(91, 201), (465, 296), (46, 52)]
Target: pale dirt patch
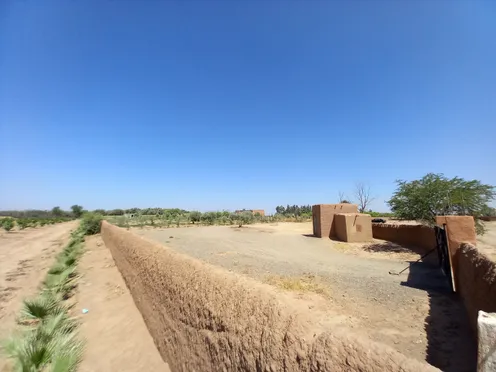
[(303, 284), (25, 257), (487, 243), (116, 335)]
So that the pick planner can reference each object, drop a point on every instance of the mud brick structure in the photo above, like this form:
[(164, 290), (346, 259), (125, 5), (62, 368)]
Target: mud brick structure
[(459, 229), (323, 218), (253, 211), (353, 227)]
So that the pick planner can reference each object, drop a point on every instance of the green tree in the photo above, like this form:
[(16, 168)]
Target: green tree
[(116, 212), (209, 217), (77, 210), (195, 216), (7, 223), (244, 218), (436, 195), (57, 212)]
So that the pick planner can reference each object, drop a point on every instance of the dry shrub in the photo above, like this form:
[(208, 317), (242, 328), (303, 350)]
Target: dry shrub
[(302, 284)]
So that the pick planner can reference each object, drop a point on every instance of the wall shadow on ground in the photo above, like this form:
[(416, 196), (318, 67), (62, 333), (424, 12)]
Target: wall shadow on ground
[(386, 247), (451, 345), (310, 236), (430, 257)]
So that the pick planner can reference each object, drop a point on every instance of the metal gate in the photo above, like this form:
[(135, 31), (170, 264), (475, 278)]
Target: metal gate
[(443, 254)]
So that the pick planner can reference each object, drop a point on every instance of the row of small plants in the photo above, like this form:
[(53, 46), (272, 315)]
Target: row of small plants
[(198, 218), (47, 338), (9, 223)]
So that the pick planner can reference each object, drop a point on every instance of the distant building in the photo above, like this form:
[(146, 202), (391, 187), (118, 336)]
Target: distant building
[(253, 211)]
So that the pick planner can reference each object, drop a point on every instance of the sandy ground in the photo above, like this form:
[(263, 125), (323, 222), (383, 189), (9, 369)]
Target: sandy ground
[(487, 243), (412, 312), (116, 335), (24, 260)]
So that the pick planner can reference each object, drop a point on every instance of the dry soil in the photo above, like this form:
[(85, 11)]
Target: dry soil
[(411, 312), (116, 335), (487, 243), (24, 260)]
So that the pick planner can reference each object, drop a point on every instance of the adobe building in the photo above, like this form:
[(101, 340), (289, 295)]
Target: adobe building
[(341, 221), (253, 211), (353, 227), (323, 218)]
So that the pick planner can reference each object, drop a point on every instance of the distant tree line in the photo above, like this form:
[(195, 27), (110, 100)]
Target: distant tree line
[(294, 210), (143, 211), (56, 212)]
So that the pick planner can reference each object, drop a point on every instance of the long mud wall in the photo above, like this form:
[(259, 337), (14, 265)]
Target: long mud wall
[(204, 318), (477, 281), (418, 238)]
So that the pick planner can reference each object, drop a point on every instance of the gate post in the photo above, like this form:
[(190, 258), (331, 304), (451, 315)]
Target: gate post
[(459, 229)]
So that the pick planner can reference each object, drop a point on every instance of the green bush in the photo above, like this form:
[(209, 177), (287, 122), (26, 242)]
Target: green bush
[(379, 214), (8, 223), (243, 218), (22, 223), (209, 218), (195, 216), (90, 224)]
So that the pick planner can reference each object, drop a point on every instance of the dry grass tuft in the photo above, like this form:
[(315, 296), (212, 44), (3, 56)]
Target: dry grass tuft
[(307, 283)]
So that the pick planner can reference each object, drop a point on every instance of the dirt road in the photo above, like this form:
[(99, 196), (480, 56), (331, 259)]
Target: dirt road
[(116, 335), (24, 259)]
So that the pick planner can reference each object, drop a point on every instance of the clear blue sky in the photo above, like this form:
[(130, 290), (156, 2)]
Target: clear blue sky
[(230, 104)]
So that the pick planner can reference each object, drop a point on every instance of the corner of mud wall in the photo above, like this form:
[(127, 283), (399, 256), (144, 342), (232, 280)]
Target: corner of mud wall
[(206, 319), (459, 229), (316, 221), (476, 275)]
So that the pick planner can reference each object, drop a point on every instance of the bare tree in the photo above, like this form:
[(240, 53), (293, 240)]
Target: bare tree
[(363, 196), (343, 198)]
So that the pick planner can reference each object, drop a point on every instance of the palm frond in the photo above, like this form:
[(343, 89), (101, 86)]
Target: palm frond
[(68, 355), (40, 308)]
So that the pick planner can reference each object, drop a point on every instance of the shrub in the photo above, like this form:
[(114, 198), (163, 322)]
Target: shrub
[(22, 223), (243, 218), (90, 224), (8, 223), (77, 211), (195, 216), (209, 218)]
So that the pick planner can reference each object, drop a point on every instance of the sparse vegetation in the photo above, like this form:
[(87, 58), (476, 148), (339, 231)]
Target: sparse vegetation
[(90, 224), (380, 214), (7, 223), (304, 211), (307, 283), (47, 339), (22, 223), (77, 211)]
